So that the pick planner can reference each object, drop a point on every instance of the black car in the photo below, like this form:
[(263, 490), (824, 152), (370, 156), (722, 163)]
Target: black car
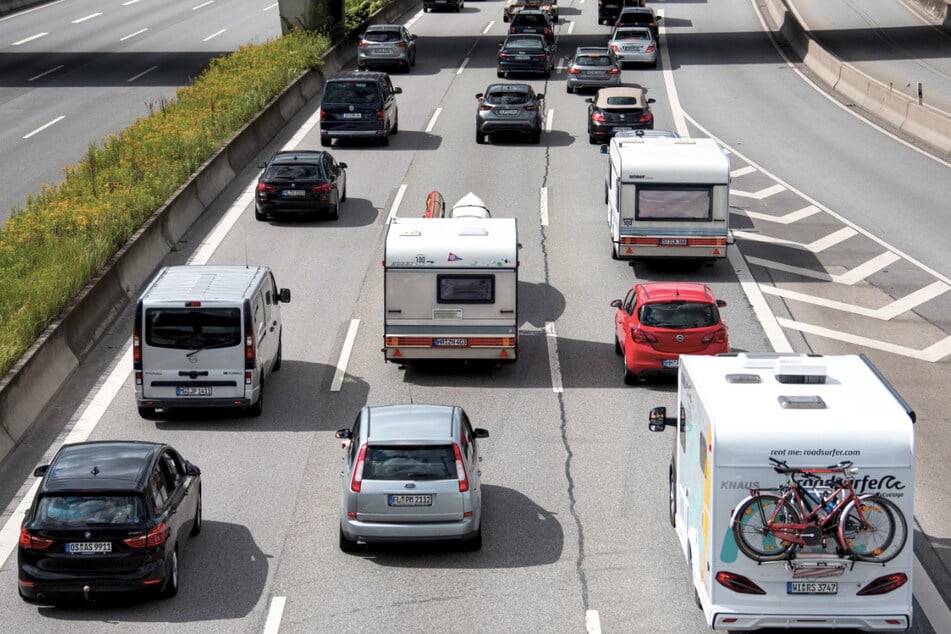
[(639, 16), (358, 104), (509, 109), (109, 518), (533, 21), (525, 53), (301, 182), (615, 109)]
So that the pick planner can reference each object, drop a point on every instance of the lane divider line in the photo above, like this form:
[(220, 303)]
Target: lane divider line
[(274, 615), (344, 359), (397, 200), (553, 363)]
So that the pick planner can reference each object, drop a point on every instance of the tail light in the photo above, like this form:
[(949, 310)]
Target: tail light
[(647, 117), (250, 354), (598, 116), (530, 108), (574, 71), (155, 537), (137, 341), (381, 115), (642, 336), (883, 585), (401, 44), (264, 187), (460, 469), (485, 108), (512, 29), (323, 188), (614, 71), (650, 49), (357, 480), (546, 31), (738, 583), (719, 336), (615, 48), (323, 115), (364, 44), (33, 542)]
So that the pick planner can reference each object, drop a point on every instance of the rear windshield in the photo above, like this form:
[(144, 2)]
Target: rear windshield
[(682, 203), (525, 43), (410, 462), (62, 511), (632, 34), (351, 92), (593, 60), (679, 315), (508, 98), (529, 19), (382, 36), (293, 171), (192, 328)]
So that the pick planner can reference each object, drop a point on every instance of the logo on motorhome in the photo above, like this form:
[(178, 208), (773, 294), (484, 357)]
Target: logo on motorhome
[(454, 258)]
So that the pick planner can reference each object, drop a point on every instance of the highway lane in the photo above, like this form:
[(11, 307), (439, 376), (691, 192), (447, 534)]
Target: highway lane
[(73, 72), (575, 486)]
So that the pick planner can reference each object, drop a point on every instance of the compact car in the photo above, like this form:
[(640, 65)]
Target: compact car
[(634, 44), (386, 46), (108, 518), (656, 322), (533, 21), (411, 473), (525, 53), (593, 67), (614, 109), (301, 182), (509, 109), (451, 5), (639, 16)]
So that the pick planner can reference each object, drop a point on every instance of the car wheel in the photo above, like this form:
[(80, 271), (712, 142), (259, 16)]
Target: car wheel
[(333, 212), (412, 61), (259, 215), (593, 140), (196, 523), (384, 140), (396, 125), (347, 545), (255, 410), (617, 345), (325, 141), (170, 587), (480, 138), (569, 89), (546, 74), (499, 74), (473, 543), (277, 361), (148, 413), (630, 378), (614, 248), (343, 196)]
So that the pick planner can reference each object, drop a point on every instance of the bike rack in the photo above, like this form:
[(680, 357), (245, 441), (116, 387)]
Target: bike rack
[(818, 565)]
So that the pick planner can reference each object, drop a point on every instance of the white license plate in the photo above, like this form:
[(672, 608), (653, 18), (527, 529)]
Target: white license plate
[(88, 547), (811, 587), (410, 500), (451, 343), (521, 58), (671, 363), (507, 111), (351, 115), (193, 391), (673, 242), (293, 192), (380, 50)]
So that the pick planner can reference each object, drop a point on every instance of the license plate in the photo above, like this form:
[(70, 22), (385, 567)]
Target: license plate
[(193, 391), (507, 111), (293, 192), (673, 242), (381, 50), (522, 58), (812, 587), (410, 500), (88, 547), (591, 72), (351, 115), (671, 363), (451, 343)]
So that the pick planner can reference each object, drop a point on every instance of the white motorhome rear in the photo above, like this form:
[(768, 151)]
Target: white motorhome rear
[(667, 198), (206, 336), (734, 414), (451, 289)]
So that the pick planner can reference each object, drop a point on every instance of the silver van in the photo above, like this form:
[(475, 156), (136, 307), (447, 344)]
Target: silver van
[(207, 336)]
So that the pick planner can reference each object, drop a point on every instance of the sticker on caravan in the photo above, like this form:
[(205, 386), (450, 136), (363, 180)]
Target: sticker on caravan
[(454, 258)]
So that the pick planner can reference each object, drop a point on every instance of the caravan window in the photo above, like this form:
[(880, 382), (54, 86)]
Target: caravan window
[(191, 328), (682, 203), (465, 289)]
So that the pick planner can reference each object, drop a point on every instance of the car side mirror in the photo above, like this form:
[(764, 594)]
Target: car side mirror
[(412, 37), (192, 470), (540, 95), (603, 149), (721, 303), (284, 295), (480, 96), (262, 165), (397, 90), (344, 433), (478, 432), (589, 100), (651, 100), (657, 420), (616, 303), (40, 471), (342, 165), (659, 18)]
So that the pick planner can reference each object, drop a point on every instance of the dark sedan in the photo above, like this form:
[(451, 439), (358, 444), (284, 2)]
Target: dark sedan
[(109, 517), (301, 182), (616, 109), (525, 53)]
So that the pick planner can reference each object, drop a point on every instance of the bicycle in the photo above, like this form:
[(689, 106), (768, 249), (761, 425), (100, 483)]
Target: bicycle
[(769, 526)]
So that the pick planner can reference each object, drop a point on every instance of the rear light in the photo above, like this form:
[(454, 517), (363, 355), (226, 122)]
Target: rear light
[(137, 345), (33, 542), (650, 49), (364, 44), (574, 71), (512, 29), (547, 31), (719, 336), (615, 48), (264, 187), (646, 117), (380, 115), (323, 188), (155, 537), (249, 348), (884, 585), (460, 469), (598, 116), (401, 44), (641, 336), (323, 115), (485, 108), (357, 479), (738, 583), (529, 108), (614, 71)]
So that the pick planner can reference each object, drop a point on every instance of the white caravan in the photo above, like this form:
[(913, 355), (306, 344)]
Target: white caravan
[(738, 418), (451, 289), (667, 198)]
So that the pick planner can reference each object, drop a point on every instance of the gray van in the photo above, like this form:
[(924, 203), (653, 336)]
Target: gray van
[(359, 104), (206, 336)]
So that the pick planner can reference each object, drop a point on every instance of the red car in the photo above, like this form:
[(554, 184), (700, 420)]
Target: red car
[(659, 321)]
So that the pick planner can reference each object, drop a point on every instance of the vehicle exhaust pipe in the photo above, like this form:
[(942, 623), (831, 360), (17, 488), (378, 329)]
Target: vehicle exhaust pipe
[(86, 590), (41, 596)]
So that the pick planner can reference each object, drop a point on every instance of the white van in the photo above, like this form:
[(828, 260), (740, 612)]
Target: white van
[(742, 423), (207, 336)]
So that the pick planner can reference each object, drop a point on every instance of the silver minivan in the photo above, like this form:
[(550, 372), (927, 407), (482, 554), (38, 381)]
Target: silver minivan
[(206, 336), (411, 473)]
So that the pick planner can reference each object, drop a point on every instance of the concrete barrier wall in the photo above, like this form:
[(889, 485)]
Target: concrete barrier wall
[(38, 375)]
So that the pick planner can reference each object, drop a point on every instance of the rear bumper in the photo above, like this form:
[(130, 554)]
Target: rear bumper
[(382, 532), (37, 586), (399, 354), (868, 623), (195, 402)]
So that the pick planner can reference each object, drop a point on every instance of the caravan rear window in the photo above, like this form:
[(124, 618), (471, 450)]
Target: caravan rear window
[(682, 203), (192, 328), (465, 289)]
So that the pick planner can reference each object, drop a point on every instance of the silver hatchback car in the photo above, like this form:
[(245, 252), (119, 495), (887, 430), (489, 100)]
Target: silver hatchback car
[(634, 44), (386, 46), (411, 473), (593, 67)]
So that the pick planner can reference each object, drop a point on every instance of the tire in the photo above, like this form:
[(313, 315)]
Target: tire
[(617, 346), (259, 215), (752, 536), (880, 538), (280, 355), (384, 140), (334, 212), (614, 255), (473, 543), (170, 587), (253, 411), (196, 522), (630, 378), (672, 497), (325, 141), (347, 545), (569, 89), (148, 413), (396, 126), (480, 138), (412, 62), (593, 140), (499, 74)]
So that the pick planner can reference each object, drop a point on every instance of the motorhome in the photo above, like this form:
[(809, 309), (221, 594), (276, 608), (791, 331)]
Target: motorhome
[(667, 198), (206, 336), (451, 289), (737, 418)]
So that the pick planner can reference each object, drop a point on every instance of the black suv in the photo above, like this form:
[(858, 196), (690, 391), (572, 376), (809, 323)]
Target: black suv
[(359, 105), (109, 517), (301, 182)]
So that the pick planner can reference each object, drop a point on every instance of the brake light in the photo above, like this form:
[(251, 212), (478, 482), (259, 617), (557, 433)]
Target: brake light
[(574, 71), (33, 542), (641, 336), (323, 115), (646, 117), (613, 71), (460, 469), (380, 115), (137, 345), (512, 29), (615, 48), (650, 49), (547, 31), (883, 585), (719, 336), (357, 479), (155, 537), (530, 108), (364, 44), (264, 187), (401, 45), (485, 107), (598, 116), (249, 352), (738, 583), (323, 188)]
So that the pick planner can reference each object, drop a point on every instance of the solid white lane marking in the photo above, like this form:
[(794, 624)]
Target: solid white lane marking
[(571, 27), (592, 620), (202, 5), (771, 327), (759, 195), (553, 364), (543, 206), (680, 123), (930, 600), (786, 219), (88, 17), (142, 74), (396, 203), (816, 246), (270, 6), (214, 35), (344, 359), (274, 615), (29, 39), (549, 117), (462, 66), (128, 2), (44, 126), (432, 120), (45, 73), (131, 35), (409, 23)]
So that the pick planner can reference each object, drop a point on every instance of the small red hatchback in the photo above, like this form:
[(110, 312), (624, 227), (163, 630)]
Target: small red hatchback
[(659, 321)]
